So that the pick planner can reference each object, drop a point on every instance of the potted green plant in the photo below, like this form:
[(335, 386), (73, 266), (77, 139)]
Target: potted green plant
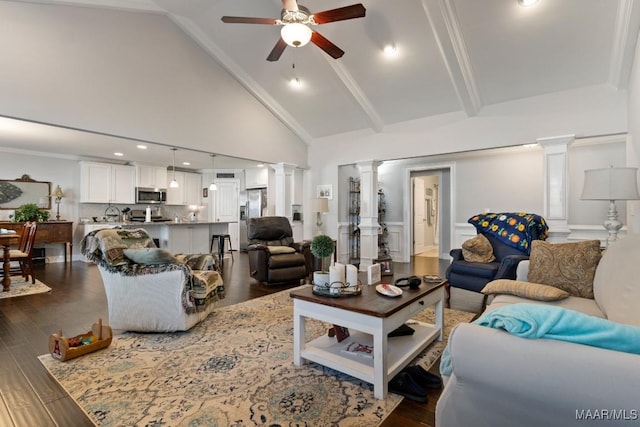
[(322, 247), (30, 212)]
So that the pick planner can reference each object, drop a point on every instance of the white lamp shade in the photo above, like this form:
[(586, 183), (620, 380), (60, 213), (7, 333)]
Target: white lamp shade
[(610, 184), (320, 204), (296, 34)]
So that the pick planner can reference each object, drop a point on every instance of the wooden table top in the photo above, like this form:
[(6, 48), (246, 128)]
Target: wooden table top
[(369, 302), (8, 239)]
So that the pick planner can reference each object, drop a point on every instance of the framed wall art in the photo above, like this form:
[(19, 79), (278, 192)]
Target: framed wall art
[(325, 191), (17, 192)]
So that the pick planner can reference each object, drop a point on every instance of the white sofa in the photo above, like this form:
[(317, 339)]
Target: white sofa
[(172, 295), (499, 379)]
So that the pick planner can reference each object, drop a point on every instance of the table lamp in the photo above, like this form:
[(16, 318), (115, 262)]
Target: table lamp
[(611, 184), (319, 205), (57, 195)]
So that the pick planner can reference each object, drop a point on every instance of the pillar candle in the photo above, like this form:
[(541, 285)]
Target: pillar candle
[(352, 275), (341, 271)]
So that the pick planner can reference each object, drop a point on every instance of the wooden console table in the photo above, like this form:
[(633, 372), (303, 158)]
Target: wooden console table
[(49, 232)]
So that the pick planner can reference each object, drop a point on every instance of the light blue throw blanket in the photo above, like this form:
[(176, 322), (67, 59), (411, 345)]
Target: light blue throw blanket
[(550, 322)]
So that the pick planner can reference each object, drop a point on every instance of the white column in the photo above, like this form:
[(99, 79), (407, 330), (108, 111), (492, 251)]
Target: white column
[(284, 189), (556, 185), (368, 212)]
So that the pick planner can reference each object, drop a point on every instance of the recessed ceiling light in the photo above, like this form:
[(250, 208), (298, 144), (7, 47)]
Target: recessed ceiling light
[(527, 3), (260, 165), (186, 163), (295, 83), (534, 145), (118, 154), (390, 50), (141, 147)]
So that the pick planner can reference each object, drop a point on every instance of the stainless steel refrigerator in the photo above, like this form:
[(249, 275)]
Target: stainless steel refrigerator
[(255, 205)]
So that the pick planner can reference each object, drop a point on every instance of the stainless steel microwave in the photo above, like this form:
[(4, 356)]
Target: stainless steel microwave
[(151, 195)]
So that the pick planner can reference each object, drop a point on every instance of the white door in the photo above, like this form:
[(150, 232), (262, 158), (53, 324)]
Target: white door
[(419, 218), (227, 208)]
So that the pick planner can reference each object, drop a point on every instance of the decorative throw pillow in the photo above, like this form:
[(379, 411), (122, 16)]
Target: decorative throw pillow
[(150, 256), (568, 266), (277, 250), (534, 291), (478, 249)]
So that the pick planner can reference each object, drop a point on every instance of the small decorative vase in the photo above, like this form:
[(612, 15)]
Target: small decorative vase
[(321, 278)]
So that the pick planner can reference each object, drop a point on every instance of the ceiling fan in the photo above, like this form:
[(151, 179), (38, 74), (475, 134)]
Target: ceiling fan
[(295, 20)]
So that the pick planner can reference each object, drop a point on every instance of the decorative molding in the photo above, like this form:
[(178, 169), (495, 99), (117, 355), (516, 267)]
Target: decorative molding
[(621, 52), (358, 94), (574, 233), (137, 5), (446, 31)]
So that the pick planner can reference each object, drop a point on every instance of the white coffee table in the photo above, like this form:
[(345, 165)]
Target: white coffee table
[(369, 318)]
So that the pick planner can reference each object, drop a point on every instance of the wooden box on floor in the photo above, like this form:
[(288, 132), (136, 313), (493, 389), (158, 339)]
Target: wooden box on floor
[(60, 348)]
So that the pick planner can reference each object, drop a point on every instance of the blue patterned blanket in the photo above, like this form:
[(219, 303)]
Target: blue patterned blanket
[(515, 229)]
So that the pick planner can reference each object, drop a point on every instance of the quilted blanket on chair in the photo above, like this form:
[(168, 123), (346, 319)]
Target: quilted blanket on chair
[(515, 229)]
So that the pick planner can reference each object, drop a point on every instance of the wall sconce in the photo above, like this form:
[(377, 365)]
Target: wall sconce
[(611, 184), (57, 195), (319, 205)]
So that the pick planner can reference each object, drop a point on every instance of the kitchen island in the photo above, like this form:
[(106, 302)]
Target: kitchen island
[(176, 237)]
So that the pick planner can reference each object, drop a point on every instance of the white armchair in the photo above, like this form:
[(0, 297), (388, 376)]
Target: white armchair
[(147, 288)]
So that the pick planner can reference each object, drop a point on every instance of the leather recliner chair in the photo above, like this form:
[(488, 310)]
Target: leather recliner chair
[(273, 255)]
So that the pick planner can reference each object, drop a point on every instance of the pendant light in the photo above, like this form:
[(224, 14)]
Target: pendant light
[(174, 183), (213, 186)]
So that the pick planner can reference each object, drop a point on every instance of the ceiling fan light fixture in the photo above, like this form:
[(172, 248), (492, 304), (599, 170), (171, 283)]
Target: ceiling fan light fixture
[(296, 34), (527, 3)]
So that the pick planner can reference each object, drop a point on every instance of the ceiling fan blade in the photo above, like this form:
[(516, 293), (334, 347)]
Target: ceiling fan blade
[(277, 50), (247, 20), (323, 43), (340, 14), (291, 5)]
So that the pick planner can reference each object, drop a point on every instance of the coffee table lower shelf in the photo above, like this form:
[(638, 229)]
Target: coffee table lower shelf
[(400, 351)]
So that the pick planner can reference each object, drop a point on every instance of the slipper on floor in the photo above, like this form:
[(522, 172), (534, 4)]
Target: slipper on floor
[(423, 377), (404, 385)]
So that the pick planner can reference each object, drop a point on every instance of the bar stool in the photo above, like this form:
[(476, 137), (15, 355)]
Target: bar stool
[(221, 241)]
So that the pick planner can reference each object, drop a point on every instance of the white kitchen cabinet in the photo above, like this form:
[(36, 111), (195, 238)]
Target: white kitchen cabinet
[(188, 239), (188, 191), (234, 235), (256, 177), (193, 189), (226, 207), (151, 176), (107, 183)]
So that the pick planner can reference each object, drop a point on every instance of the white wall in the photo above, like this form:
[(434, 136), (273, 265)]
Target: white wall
[(584, 112), (633, 160), (58, 171), (131, 74)]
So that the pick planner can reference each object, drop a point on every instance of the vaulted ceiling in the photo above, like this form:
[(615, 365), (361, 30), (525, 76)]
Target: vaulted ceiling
[(451, 55)]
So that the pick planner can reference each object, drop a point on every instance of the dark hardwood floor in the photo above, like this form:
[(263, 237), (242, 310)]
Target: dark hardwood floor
[(30, 397)]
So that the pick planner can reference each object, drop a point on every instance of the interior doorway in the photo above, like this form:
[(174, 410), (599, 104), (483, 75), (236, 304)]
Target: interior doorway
[(429, 210), (425, 205)]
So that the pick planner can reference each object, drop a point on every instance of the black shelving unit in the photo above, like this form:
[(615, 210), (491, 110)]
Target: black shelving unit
[(354, 221), (383, 235)]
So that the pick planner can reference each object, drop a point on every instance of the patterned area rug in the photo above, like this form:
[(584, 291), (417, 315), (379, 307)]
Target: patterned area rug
[(19, 288), (233, 369)]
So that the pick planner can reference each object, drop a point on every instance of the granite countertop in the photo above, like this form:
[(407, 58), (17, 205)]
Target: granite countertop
[(146, 224)]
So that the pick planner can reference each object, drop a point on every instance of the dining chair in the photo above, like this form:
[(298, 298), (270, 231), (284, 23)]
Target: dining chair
[(23, 255)]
